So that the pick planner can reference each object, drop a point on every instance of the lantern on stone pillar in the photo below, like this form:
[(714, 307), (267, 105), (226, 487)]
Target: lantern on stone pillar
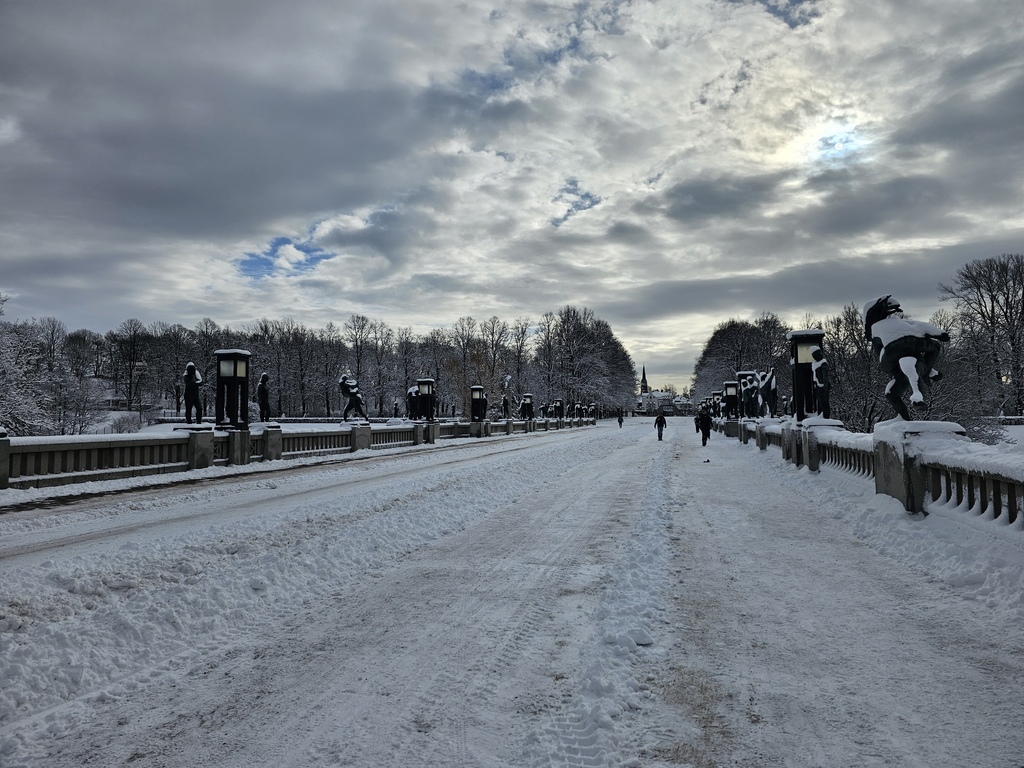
[(527, 406), (233, 387), (802, 345), (426, 398), (732, 399), (477, 403)]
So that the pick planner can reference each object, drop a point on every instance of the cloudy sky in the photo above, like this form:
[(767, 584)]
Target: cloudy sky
[(668, 164)]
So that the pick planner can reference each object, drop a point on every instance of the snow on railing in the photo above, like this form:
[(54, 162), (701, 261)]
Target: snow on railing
[(923, 464), (27, 462), (850, 451), (981, 480), (78, 458)]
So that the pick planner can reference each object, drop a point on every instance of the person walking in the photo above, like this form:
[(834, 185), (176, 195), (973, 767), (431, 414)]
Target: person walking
[(660, 424), (704, 422), (620, 421)]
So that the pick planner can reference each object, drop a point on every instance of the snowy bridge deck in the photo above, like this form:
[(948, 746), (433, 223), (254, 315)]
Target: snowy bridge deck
[(586, 597)]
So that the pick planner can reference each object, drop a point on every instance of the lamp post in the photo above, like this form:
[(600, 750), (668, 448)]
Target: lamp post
[(802, 345), (426, 398), (732, 391), (233, 387), (477, 403)]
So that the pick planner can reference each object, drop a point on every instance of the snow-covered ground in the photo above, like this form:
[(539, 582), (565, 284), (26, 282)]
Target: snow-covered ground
[(590, 597)]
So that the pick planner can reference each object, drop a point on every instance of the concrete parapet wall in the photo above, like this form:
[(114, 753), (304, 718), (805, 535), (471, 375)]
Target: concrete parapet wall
[(27, 462)]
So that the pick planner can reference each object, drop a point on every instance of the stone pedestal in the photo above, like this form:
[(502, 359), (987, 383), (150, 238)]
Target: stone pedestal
[(239, 446), (362, 440), (273, 444), (898, 445), (200, 446)]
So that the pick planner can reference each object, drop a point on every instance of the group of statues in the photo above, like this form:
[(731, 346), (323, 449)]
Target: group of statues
[(759, 394), (907, 351)]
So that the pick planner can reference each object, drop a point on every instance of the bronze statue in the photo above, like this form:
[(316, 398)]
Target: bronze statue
[(907, 350), (191, 379), (822, 386), (263, 397), (353, 399)]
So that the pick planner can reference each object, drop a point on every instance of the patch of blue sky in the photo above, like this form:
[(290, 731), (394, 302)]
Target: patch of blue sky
[(555, 55), (269, 262), (578, 201), (795, 13), (485, 83)]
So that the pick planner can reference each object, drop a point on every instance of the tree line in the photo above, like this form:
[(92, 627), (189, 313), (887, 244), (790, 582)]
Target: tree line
[(982, 365), (55, 381)]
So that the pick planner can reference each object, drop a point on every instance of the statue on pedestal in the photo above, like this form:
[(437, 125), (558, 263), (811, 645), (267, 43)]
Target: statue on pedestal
[(191, 379), (353, 399), (769, 393), (907, 350), (822, 386), (263, 397)]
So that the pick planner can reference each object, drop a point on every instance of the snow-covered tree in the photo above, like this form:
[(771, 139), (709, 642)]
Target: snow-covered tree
[(988, 294)]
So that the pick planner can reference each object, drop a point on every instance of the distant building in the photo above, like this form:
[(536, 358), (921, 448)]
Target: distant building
[(652, 402)]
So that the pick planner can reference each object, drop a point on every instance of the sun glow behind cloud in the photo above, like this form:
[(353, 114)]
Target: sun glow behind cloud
[(508, 155)]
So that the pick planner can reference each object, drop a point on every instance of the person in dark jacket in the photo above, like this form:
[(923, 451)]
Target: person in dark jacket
[(660, 424), (704, 422)]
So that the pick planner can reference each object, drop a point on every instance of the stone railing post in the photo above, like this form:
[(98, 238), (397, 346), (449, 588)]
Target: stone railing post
[(898, 470), (5, 459), (273, 443), (812, 428), (239, 447), (361, 438), (200, 447)]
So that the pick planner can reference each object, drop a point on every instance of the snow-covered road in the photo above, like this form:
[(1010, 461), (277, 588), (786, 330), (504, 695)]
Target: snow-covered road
[(581, 598)]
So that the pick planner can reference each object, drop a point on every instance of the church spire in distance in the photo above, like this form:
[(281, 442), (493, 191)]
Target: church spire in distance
[(643, 381)]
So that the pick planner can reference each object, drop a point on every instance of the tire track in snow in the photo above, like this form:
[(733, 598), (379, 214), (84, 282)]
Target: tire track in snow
[(445, 656)]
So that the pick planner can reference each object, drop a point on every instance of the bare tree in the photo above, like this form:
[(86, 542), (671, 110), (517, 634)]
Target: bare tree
[(356, 334), (382, 350), (494, 334), (52, 335), (989, 293)]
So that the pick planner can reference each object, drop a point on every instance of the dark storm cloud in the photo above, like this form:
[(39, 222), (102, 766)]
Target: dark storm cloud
[(820, 288), (721, 196)]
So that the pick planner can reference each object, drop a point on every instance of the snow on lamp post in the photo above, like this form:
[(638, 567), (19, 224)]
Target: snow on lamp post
[(233, 387), (477, 403), (425, 398), (802, 346), (716, 402), (732, 404), (527, 406)]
